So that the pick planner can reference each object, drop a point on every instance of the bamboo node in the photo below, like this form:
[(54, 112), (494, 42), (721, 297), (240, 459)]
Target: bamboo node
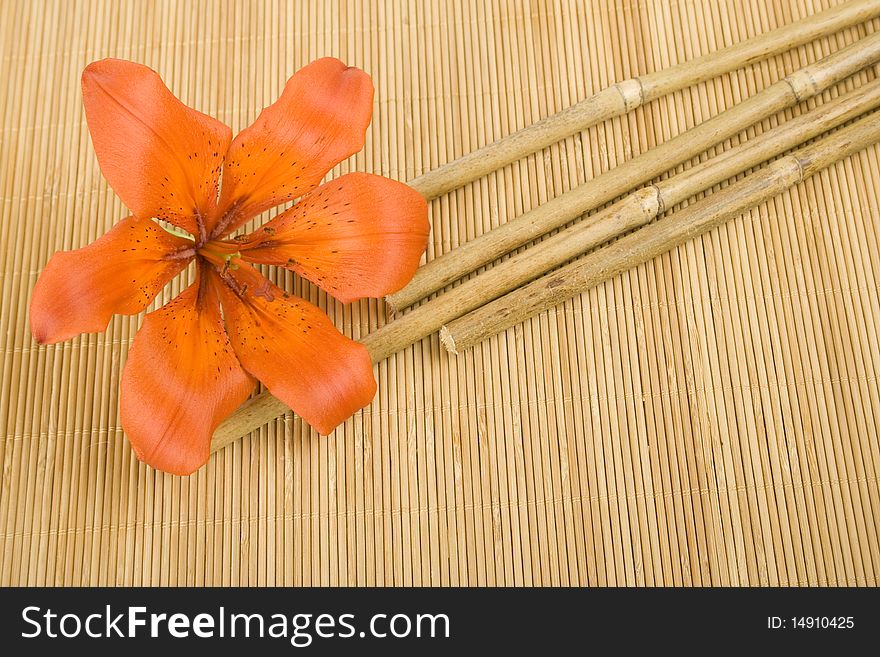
[(800, 161), (650, 199), (633, 93), (802, 84)]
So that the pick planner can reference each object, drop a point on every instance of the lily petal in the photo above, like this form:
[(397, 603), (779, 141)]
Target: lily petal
[(356, 236), (161, 157), (295, 350), (320, 119), (120, 273), (180, 381)]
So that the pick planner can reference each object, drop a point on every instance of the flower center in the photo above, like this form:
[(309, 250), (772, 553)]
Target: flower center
[(220, 253)]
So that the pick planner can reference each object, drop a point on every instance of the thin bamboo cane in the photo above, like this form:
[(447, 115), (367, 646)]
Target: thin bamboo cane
[(650, 241), (493, 244), (625, 96), (635, 210)]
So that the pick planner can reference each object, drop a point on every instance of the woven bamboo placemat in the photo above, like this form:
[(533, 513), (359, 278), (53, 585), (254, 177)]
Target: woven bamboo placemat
[(711, 417)]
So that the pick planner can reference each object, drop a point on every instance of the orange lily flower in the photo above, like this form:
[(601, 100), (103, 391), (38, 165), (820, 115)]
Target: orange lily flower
[(195, 360)]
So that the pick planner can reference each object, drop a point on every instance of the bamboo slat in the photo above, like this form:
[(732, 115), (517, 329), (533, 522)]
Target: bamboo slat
[(709, 417)]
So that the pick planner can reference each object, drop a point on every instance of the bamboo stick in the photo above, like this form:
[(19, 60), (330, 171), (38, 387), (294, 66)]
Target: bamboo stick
[(650, 241), (625, 96), (493, 244), (635, 210)]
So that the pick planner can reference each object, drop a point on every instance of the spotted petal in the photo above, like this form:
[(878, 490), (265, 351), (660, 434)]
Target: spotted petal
[(356, 236), (295, 350), (120, 273), (180, 381), (161, 157), (319, 120)]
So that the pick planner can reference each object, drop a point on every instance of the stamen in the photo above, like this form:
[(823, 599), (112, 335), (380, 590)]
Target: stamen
[(200, 222), (232, 283), (225, 220), (183, 254)]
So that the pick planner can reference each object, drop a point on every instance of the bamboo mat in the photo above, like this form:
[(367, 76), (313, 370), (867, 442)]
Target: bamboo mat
[(711, 417)]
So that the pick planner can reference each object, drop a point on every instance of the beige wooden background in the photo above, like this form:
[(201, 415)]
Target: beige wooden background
[(711, 417)]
